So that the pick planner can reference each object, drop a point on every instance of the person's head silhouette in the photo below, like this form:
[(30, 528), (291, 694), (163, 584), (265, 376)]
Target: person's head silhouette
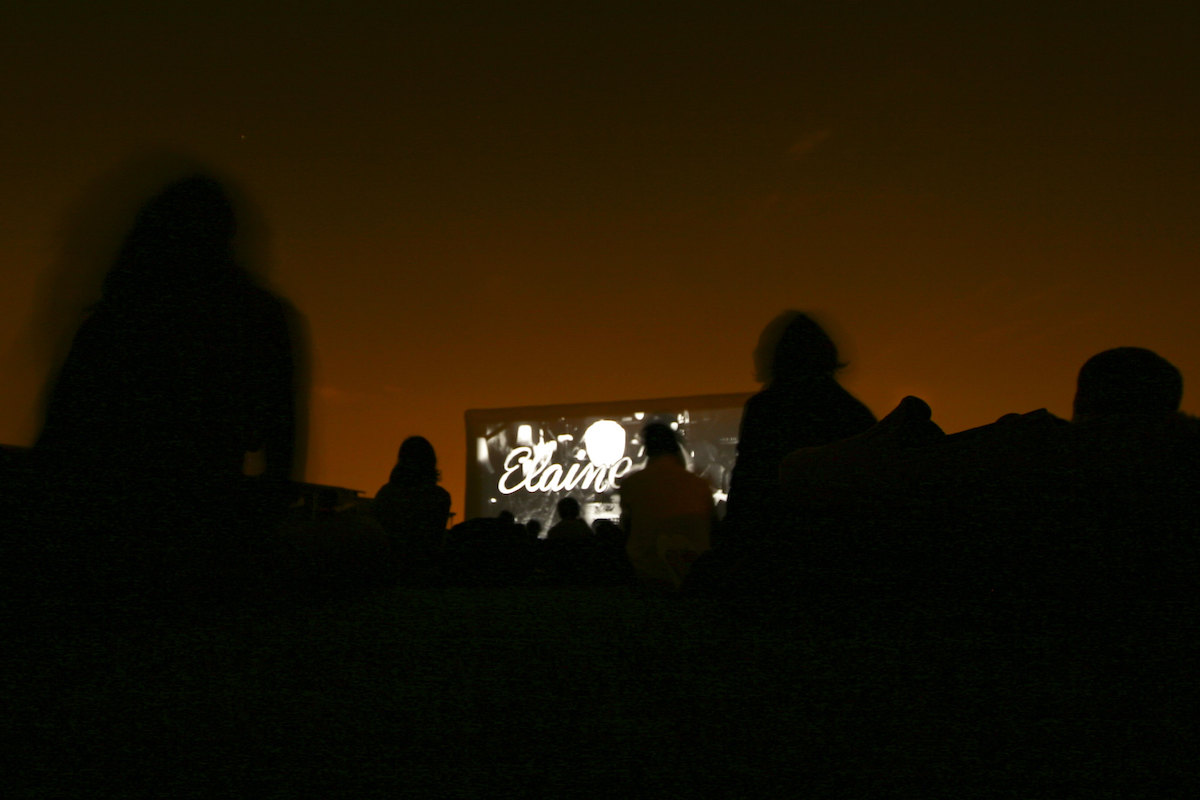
[(416, 461), (660, 440), (1127, 380), (794, 346), (568, 508), (183, 238)]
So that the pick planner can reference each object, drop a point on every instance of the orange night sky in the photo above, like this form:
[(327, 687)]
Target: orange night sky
[(555, 203)]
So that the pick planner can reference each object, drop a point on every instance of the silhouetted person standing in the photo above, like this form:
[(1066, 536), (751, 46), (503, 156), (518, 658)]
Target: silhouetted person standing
[(183, 369), (801, 405), (667, 512), (412, 508)]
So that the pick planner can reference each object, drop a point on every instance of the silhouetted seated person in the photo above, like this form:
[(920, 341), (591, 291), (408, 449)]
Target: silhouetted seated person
[(1137, 461), (1026, 515), (830, 498), (569, 549), (666, 511), (597, 558), (534, 528), (340, 549), (413, 510), (183, 369), (488, 551), (801, 405), (1129, 382), (1050, 567), (906, 511), (569, 525), (612, 562)]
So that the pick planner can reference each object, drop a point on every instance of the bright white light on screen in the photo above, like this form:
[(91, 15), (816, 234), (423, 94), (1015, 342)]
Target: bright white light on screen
[(525, 435), (605, 441), (639, 416)]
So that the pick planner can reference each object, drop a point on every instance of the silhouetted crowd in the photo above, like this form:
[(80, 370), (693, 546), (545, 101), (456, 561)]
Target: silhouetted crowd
[(165, 466)]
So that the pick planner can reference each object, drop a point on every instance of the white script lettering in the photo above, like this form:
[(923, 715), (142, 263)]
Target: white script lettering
[(523, 471)]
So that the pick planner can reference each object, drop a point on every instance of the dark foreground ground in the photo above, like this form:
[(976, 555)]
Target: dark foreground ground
[(547, 691)]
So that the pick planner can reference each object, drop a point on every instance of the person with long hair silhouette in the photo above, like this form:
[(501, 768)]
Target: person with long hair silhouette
[(801, 405), (413, 509), (181, 375)]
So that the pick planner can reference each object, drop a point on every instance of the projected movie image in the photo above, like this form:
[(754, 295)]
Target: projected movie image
[(526, 459)]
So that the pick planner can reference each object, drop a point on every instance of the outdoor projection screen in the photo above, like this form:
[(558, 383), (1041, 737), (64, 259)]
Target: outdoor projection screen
[(525, 460)]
